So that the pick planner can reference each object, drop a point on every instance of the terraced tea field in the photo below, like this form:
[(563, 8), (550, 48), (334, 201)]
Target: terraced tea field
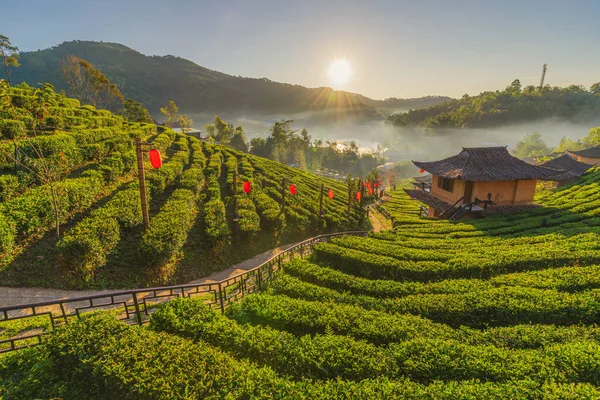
[(501, 307), (94, 197)]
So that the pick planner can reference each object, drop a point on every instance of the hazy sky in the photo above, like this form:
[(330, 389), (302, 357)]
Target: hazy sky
[(395, 48)]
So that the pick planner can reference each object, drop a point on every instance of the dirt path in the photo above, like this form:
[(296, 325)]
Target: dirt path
[(379, 222), (10, 296)]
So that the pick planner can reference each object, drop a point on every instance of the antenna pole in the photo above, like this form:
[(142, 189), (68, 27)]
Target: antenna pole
[(544, 69)]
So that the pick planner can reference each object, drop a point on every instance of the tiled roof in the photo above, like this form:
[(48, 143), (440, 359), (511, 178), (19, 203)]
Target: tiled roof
[(592, 152), (573, 168), (487, 164)]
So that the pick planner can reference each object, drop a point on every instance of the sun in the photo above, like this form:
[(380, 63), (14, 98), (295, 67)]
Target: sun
[(339, 72)]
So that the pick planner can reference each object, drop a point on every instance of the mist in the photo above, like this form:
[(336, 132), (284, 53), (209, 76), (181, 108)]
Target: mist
[(402, 143)]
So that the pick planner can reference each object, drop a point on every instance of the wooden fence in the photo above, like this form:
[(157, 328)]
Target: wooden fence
[(136, 306)]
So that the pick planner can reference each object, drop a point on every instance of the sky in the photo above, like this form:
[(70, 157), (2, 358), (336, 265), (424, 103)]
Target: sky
[(395, 48)]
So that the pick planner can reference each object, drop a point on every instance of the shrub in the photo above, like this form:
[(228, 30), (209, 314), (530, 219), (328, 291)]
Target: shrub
[(87, 245), (170, 227), (11, 129), (9, 187)]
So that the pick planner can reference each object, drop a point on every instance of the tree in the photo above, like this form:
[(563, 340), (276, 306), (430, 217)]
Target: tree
[(220, 131), (531, 146), (171, 111), (10, 55), (595, 88), (258, 147), (238, 141), (135, 112), (515, 86), (185, 122), (568, 144), (89, 85), (593, 138), (49, 170)]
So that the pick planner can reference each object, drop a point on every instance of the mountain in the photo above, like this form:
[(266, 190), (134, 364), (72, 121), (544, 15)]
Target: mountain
[(153, 80)]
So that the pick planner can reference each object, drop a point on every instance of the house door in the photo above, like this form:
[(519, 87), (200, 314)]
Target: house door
[(468, 192)]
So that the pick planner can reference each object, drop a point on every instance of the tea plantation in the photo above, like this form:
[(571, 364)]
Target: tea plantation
[(90, 155), (502, 307)]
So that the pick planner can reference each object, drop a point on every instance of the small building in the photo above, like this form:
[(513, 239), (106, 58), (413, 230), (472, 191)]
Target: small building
[(589, 156), (478, 178), (574, 169)]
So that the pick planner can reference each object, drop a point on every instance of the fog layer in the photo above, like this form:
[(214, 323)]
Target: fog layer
[(402, 143)]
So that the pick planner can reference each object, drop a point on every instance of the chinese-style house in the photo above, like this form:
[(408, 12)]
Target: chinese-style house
[(481, 181), (574, 169), (589, 156)]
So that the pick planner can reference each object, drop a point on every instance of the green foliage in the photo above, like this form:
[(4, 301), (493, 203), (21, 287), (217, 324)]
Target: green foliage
[(319, 356), (532, 145), (9, 187), (135, 112), (170, 227), (220, 131), (509, 106), (11, 129), (86, 246)]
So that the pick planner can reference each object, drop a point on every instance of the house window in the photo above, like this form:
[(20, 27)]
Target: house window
[(446, 184)]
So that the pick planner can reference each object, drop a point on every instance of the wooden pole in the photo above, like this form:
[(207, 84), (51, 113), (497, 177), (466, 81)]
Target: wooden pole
[(349, 199), (16, 156), (283, 195), (142, 179), (321, 201), (236, 217), (360, 204)]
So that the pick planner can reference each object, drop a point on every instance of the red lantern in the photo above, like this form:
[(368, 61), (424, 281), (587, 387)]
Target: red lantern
[(330, 194), (293, 189), (357, 195), (375, 185), (370, 192), (247, 187), (155, 158), (421, 170)]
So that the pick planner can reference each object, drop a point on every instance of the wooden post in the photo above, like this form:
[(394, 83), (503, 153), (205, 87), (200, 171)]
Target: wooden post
[(321, 201), (283, 189), (236, 217), (360, 204), (142, 179), (349, 199)]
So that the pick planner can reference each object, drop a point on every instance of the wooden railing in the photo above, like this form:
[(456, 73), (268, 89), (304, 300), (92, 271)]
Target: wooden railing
[(136, 306), (451, 207)]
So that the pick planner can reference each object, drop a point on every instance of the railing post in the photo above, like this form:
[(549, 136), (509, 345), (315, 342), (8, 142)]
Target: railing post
[(221, 298), (259, 279), (137, 308)]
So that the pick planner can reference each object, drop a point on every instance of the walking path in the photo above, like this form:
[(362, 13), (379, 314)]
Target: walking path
[(11, 296), (379, 222)]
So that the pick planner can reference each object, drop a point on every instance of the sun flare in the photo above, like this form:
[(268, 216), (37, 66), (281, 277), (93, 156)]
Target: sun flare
[(339, 72)]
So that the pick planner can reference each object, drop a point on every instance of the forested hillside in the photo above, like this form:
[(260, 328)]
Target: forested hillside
[(153, 80), (512, 105), (70, 213)]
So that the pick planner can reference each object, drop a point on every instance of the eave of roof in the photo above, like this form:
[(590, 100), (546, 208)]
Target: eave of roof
[(573, 168), (427, 198), (487, 164), (592, 152)]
